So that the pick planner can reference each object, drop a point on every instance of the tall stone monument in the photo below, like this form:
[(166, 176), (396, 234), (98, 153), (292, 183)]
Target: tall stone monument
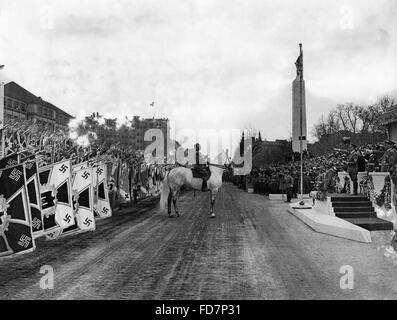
[(298, 101)]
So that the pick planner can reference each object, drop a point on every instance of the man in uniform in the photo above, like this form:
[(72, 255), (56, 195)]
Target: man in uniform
[(389, 158), (352, 167), (201, 168), (289, 184)]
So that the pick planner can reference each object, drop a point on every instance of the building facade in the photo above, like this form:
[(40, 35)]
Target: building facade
[(140, 126), (131, 134), (19, 103)]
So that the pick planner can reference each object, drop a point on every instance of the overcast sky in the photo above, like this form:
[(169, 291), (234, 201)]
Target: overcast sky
[(205, 63)]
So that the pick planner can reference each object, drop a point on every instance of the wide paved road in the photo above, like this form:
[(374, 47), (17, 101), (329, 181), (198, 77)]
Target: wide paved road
[(253, 249)]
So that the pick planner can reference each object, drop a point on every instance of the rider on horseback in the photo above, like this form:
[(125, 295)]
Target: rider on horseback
[(201, 168)]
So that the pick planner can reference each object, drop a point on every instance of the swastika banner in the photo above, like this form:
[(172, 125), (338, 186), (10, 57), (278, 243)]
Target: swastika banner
[(82, 190), (15, 229), (33, 195), (124, 185), (56, 199), (102, 207)]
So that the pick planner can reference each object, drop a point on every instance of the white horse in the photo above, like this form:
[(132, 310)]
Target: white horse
[(181, 176)]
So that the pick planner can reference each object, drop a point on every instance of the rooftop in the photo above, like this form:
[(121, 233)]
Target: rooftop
[(15, 91)]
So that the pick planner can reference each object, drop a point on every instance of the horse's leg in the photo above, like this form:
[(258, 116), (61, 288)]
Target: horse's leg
[(169, 204), (212, 198), (174, 198)]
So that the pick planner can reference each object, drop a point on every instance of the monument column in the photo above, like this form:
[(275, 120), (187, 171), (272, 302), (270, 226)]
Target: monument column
[(298, 101)]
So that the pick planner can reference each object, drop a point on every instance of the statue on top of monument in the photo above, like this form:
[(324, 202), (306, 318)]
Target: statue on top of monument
[(299, 62)]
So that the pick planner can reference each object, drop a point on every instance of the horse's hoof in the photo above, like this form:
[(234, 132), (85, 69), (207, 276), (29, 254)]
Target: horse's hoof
[(212, 215)]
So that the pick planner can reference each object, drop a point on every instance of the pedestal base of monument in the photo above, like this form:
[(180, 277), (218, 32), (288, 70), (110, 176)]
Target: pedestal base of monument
[(279, 196), (299, 205), (328, 224)]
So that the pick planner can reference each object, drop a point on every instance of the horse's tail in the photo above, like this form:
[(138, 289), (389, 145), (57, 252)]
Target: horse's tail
[(164, 193)]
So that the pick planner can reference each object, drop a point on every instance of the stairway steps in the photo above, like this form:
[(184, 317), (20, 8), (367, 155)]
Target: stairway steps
[(371, 224), (348, 198), (354, 209), (348, 215), (359, 211), (352, 204)]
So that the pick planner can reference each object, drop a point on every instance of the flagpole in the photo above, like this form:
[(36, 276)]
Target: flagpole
[(301, 123), (2, 116)]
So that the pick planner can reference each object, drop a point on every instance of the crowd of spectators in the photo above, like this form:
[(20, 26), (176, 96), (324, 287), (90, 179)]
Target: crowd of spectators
[(275, 179)]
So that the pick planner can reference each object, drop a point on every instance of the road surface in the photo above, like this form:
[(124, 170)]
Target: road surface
[(253, 249)]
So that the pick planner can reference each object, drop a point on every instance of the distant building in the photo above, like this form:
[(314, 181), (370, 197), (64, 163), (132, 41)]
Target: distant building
[(19, 103), (126, 136), (142, 125), (265, 153), (131, 135)]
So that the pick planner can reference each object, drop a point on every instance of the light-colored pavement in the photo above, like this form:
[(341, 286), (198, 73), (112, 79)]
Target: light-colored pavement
[(253, 249)]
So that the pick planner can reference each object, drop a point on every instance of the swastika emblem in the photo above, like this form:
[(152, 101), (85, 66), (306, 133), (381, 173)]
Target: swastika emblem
[(36, 223), (99, 171), (87, 222), (29, 165), (105, 210), (63, 168), (15, 175), (85, 175), (11, 162), (67, 218), (24, 241)]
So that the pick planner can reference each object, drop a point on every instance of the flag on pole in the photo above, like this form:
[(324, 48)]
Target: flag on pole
[(83, 198), (15, 228), (33, 196), (56, 199), (124, 187), (102, 207)]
